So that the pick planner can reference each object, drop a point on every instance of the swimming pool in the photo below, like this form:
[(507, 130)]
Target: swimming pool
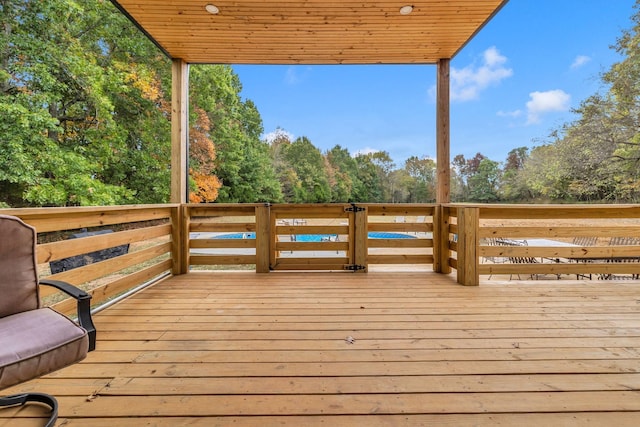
[(319, 237)]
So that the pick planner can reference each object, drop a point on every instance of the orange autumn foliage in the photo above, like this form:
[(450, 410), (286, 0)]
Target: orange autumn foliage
[(202, 155), (208, 186)]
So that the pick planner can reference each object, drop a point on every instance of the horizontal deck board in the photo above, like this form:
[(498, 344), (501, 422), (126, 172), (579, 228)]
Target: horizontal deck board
[(366, 385), (331, 369), (583, 419), (348, 385), (386, 313), (327, 356), (339, 343), (235, 348), (352, 404), (121, 334)]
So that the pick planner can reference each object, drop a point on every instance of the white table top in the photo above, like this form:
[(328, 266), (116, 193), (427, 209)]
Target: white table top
[(549, 242)]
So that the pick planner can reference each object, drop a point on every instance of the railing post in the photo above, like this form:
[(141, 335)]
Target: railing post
[(263, 237), (176, 240), (441, 240), (468, 241), (186, 252), (361, 235), (179, 131)]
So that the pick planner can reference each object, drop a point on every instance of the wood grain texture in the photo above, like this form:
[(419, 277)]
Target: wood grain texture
[(239, 348), (311, 31)]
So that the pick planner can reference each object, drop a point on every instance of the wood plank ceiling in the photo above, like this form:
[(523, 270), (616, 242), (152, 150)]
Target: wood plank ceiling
[(310, 31)]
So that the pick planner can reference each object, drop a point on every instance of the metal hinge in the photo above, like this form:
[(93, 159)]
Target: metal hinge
[(354, 208), (354, 267)]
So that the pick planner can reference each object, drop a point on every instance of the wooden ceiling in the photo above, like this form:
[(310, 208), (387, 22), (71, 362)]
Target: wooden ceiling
[(310, 31)]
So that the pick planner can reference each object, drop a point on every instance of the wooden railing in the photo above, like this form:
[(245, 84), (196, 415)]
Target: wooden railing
[(148, 231), (315, 237), (535, 241), (225, 234), (475, 240), (415, 221), (333, 237)]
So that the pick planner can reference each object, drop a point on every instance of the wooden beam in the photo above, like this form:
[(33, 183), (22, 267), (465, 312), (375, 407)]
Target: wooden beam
[(361, 241), (443, 134), (185, 237), (310, 31), (179, 130), (468, 242), (263, 238), (177, 240), (441, 252)]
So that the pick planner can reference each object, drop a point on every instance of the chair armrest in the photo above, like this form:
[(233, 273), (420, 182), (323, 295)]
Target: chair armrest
[(84, 306)]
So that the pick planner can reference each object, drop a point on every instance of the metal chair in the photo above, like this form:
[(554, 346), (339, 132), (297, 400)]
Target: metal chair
[(35, 341)]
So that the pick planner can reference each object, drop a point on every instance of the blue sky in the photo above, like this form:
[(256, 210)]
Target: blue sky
[(513, 84)]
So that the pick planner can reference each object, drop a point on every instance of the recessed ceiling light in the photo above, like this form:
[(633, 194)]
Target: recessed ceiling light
[(405, 10), (212, 9)]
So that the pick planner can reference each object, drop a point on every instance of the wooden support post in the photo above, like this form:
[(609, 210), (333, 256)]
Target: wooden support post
[(468, 241), (176, 240), (273, 238), (185, 234), (441, 240), (443, 161), (361, 247), (179, 131), (263, 238)]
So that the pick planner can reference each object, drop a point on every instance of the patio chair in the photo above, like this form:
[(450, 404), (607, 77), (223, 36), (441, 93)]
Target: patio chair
[(523, 260), (34, 341), (622, 241), (492, 241), (585, 240)]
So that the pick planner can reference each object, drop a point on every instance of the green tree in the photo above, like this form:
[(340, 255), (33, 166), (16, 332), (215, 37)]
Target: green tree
[(242, 162), (597, 157), (401, 185), (343, 178), (544, 175), (586, 149), (308, 164), (59, 81), (290, 184), (464, 170), (513, 187), (42, 95), (624, 93), (369, 175), (384, 164), (484, 183), (423, 172)]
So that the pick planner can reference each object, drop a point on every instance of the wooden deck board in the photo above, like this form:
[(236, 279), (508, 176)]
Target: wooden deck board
[(235, 348)]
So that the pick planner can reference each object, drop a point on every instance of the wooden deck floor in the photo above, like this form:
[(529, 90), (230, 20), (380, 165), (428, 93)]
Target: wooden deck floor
[(378, 349)]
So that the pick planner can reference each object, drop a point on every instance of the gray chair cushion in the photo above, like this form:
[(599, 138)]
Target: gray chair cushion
[(18, 268), (38, 342)]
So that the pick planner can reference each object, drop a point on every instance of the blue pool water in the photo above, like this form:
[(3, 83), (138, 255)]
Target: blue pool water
[(319, 237)]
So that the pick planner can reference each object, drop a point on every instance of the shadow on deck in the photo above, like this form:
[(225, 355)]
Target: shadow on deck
[(377, 349)]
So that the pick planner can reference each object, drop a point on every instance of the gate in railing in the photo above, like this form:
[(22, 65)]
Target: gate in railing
[(318, 237), (335, 237)]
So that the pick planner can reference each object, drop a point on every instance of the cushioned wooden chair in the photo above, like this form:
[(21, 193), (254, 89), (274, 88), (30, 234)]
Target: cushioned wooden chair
[(34, 341)]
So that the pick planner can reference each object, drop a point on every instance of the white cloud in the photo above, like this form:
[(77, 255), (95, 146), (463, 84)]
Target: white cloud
[(580, 61), (296, 75), (545, 102), (365, 151), (468, 82), (513, 114), (272, 136), (291, 76)]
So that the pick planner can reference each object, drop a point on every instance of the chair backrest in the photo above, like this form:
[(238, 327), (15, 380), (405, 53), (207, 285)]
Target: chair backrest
[(18, 267)]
